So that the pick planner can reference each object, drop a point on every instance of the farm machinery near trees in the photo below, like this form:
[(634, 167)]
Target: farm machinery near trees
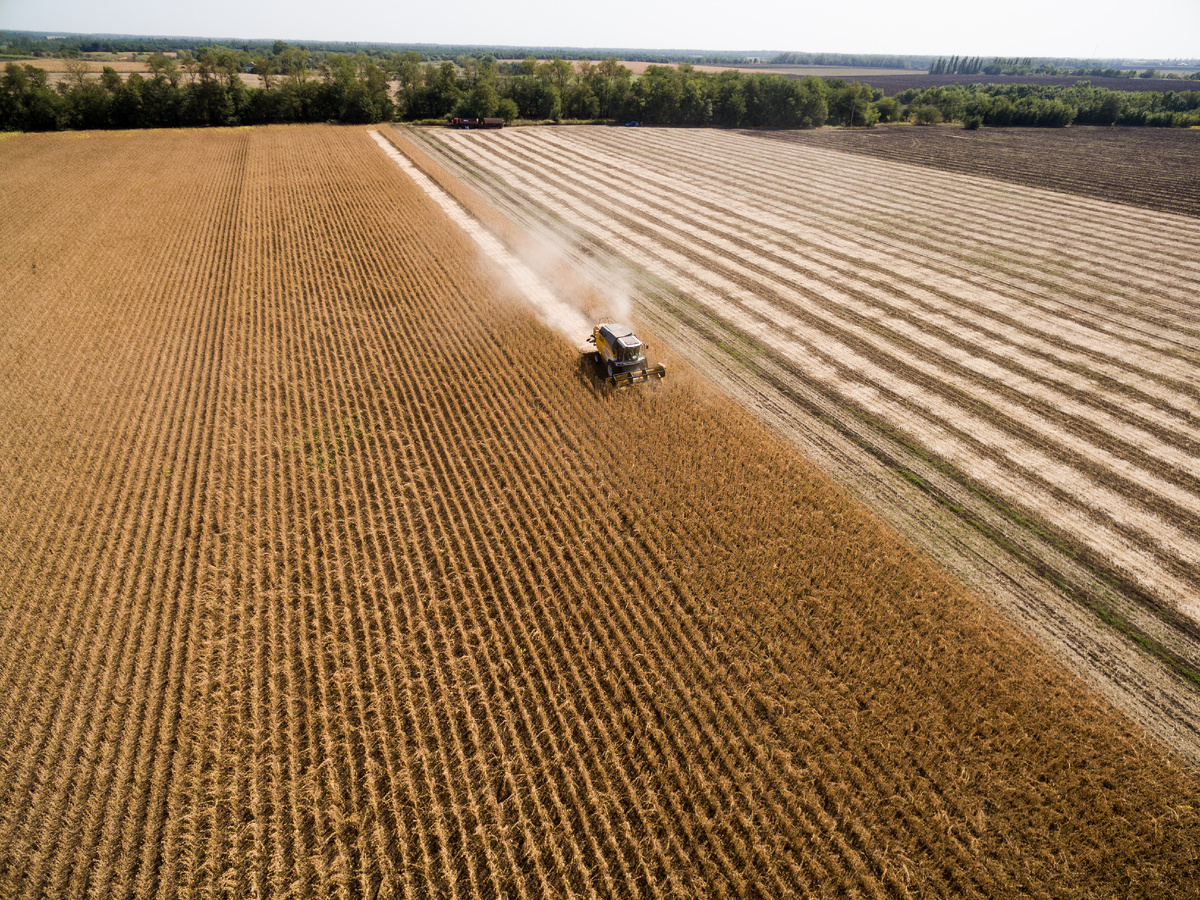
[(620, 358), (466, 122)]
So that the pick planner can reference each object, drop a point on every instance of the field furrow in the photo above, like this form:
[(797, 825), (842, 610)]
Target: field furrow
[(779, 280), (883, 297), (933, 234)]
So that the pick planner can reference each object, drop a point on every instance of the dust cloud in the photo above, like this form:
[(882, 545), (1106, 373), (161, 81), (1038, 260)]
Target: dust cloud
[(555, 312)]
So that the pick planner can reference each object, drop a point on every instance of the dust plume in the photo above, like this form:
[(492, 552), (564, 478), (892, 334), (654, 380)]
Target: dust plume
[(555, 312)]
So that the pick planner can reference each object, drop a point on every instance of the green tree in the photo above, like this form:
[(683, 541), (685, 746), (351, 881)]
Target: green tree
[(547, 102), (128, 109), (611, 83), (265, 67), (889, 109), (926, 114), (558, 72), (729, 100), (110, 80), (294, 64), (507, 109), (158, 64), (580, 101), (850, 103), (659, 96), (26, 101), (481, 102)]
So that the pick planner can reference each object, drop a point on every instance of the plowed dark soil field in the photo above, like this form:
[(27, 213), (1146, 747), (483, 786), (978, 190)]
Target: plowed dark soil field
[(1155, 168), (326, 572)]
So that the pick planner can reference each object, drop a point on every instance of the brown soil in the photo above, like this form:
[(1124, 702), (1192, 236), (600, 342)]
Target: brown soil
[(1154, 168)]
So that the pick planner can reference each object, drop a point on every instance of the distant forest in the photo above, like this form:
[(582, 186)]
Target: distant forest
[(15, 43), (24, 43), (207, 86), (998, 65)]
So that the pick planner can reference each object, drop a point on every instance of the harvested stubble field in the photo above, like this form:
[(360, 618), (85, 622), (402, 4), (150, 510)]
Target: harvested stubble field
[(321, 575), (1009, 375), (1155, 168)]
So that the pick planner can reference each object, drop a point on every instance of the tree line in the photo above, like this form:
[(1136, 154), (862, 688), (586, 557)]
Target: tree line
[(1044, 106), (860, 60), (196, 91), (293, 85), (662, 95), (998, 65), (209, 89)]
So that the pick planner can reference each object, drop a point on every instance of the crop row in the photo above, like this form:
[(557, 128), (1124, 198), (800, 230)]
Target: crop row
[(312, 590)]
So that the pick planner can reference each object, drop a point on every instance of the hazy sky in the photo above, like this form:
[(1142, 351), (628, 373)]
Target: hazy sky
[(1077, 28)]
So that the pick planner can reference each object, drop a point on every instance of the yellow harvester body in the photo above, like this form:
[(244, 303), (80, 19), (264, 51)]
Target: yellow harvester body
[(620, 357)]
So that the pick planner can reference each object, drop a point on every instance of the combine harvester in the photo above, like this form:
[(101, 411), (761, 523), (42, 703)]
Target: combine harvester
[(620, 358)]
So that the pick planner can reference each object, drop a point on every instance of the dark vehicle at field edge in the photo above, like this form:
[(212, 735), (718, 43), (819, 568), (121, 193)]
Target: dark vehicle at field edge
[(467, 122)]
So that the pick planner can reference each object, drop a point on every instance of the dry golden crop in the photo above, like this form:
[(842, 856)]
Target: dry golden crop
[(325, 571)]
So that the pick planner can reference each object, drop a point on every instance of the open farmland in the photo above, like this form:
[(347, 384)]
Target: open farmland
[(1153, 168), (318, 578), (1009, 375), (58, 66), (892, 83), (57, 73), (638, 67)]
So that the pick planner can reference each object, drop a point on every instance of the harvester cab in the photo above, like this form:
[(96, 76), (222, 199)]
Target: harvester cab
[(620, 358)]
